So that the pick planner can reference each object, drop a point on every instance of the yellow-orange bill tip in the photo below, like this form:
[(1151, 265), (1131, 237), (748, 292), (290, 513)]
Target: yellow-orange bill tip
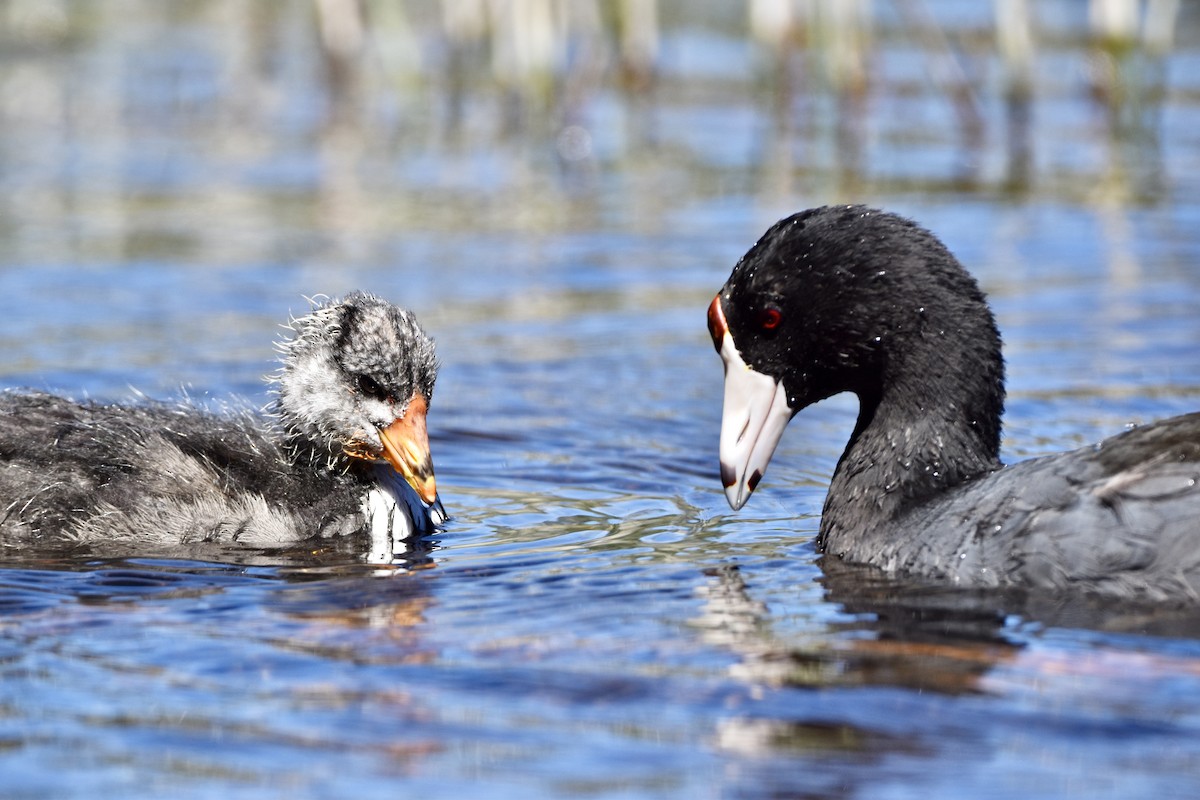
[(406, 448)]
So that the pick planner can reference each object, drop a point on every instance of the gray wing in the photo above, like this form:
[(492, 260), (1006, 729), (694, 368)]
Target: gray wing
[(1121, 518)]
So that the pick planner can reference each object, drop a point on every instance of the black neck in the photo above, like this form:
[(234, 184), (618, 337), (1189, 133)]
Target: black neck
[(930, 422)]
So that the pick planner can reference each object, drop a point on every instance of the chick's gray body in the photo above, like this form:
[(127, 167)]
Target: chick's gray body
[(162, 474)]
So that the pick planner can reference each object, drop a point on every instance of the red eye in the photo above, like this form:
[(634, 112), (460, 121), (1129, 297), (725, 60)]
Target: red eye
[(770, 318)]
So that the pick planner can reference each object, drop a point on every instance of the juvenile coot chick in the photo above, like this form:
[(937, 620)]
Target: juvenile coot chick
[(342, 450), (851, 299)]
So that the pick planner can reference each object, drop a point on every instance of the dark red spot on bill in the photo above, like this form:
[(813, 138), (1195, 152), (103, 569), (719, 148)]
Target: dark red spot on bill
[(728, 476)]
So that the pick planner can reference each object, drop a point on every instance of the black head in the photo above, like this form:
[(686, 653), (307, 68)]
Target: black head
[(850, 299), (828, 299)]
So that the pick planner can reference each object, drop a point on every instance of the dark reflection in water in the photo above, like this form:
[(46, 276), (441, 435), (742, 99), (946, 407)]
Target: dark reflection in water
[(974, 661)]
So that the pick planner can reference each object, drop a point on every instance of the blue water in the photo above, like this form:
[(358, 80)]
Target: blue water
[(593, 621)]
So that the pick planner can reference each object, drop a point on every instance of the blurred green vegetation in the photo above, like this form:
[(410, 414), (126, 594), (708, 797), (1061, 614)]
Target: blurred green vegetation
[(233, 129)]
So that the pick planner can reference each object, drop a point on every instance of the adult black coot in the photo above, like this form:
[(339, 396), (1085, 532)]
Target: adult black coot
[(852, 299), (342, 450)]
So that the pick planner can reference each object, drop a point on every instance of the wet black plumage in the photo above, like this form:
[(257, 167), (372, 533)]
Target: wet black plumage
[(855, 299), (167, 474)]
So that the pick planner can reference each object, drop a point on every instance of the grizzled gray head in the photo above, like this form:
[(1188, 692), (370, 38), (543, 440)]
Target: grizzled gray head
[(355, 368), (383, 346)]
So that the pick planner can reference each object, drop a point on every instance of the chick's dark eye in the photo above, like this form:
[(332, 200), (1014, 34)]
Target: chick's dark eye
[(368, 386), (769, 318)]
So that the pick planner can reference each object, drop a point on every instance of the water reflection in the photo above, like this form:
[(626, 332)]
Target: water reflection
[(926, 638), (913, 638), (836, 704)]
